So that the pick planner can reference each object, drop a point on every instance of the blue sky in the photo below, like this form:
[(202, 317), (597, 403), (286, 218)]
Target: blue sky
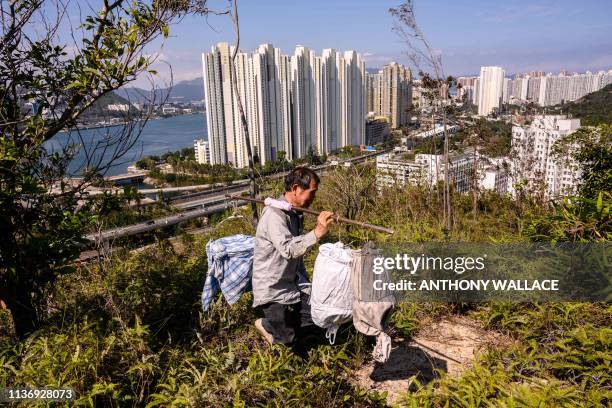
[(516, 35)]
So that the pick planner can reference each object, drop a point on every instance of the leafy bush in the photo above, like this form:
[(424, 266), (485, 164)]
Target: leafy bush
[(130, 331)]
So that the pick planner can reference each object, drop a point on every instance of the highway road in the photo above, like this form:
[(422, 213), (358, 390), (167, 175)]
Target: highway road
[(160, 222), (242, 185), (195, 199), (214, 201)]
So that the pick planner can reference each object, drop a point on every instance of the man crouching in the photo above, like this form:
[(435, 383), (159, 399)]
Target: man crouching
[(278, 265)]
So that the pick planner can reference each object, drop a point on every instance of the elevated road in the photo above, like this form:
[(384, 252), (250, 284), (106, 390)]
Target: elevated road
[(206, 199), (211, 202), (128, 177), (160, 222)]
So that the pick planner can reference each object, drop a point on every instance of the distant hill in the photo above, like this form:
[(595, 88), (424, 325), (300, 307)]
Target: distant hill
[(99, 107), (184, 91), (592, 109), (192, 90)]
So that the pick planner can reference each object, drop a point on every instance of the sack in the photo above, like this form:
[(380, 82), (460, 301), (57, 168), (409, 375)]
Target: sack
[(371, 308), (331, 293)]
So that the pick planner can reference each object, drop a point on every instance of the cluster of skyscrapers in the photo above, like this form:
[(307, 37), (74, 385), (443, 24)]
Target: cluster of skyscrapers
[(551, 90), (292, 103), (489, 90)]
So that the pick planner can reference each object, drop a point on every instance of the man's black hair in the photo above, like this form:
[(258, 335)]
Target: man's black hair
[(302, 177)]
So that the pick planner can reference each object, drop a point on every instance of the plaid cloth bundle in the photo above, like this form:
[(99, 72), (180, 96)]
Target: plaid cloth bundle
[(230, 267)]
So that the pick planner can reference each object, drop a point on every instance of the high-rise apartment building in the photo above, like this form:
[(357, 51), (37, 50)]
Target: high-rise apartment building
[(271, 93), (390, 94), (353, 100), (215, 107), (304, 101), (490, 89), (466, 88), (373, 82), (548, 90), (331, 101)]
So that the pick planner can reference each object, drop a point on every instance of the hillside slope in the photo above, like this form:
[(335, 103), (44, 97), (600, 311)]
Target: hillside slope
[(593, 109), (184, 91)]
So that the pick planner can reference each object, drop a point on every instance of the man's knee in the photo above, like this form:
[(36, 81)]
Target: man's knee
[(282, 322)]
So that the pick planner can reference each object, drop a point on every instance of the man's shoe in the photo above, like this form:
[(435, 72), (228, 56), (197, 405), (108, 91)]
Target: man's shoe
[(262, 331)]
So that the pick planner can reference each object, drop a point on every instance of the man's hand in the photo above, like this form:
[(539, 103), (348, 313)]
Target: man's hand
[(323, 221)]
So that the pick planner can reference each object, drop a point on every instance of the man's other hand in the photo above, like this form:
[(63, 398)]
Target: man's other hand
[(323, 221)]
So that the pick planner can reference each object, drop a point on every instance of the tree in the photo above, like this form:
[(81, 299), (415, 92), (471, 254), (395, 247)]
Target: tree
[(350, 189), (587, 216), (313, 158), (591, 149), (243, 121), (426, 59), (130, 193), (478, 135), (45, 86)]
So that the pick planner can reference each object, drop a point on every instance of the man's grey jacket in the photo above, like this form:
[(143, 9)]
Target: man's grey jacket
[(278, 265)]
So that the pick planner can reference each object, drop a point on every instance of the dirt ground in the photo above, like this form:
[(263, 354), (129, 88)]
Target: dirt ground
[(449, 345)]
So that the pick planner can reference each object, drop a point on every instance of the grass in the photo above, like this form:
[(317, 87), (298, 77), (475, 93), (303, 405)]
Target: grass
[(561, 359), (130, 331)]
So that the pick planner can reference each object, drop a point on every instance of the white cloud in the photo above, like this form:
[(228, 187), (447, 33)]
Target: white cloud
[(373, 58)]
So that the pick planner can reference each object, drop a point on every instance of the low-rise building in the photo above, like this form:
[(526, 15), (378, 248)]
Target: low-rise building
[(377, 131), (401, 169), (460, 168), (118, 107), (495, 175), (169, 110), (438, 130), (393, 169)]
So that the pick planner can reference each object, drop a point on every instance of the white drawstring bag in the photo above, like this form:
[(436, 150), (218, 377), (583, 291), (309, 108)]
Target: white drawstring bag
[(331, 294)]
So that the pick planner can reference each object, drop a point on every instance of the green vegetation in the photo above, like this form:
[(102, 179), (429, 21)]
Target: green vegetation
[(41, 230), (560, 357), (100, 107), (116, 210), (129, 331), (133, 334), (493, 139), (591, 147), (592, 109), (586, 217), (186, 171), (492, 136)]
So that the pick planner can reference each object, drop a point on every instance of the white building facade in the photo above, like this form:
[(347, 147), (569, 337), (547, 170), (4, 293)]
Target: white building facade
[(490, 90), (549, 90), (532, 148), (202, 151), (291, 103), (428, 169), (390, 94)]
